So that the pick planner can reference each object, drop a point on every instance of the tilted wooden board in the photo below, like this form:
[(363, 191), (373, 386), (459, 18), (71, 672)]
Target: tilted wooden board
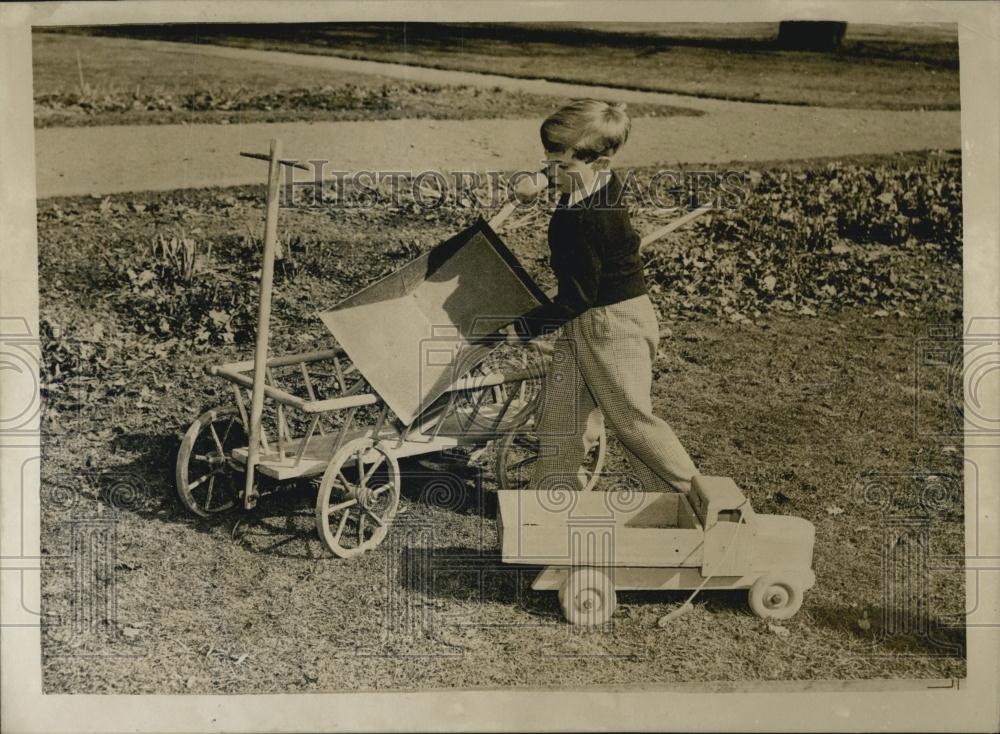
[(418, 330)]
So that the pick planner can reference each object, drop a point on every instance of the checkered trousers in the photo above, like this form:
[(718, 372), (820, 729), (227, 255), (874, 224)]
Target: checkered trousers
[(603, 363)]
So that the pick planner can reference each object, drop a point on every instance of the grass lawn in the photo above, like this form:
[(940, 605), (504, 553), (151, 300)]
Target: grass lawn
[(807, 413), (87, 80), (880, 67)]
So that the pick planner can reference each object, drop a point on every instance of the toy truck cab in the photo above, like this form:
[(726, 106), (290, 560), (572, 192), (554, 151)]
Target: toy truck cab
[(710, 537), (728, 522), (740, 542)]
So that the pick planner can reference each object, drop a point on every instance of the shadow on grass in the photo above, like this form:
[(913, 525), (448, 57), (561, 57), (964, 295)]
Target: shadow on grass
[(475, 575), (899, 634), (417, 37), (478, 575), (283, 522), (145, 487), (445, 482)]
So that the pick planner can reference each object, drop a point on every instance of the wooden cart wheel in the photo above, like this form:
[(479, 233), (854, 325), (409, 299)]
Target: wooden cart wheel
[(774, 596), (209, 480), (357, 498), (588, 597), (522, 397), (517, 453)]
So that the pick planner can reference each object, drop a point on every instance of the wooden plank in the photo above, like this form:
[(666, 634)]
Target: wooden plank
[(283, 161), (282, 361), (272, 392), (320, 450), (348, 401), (263, 320), (244, 418), (313, 422), (312, 395)]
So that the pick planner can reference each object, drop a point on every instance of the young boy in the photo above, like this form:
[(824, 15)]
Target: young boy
[(603, 361)]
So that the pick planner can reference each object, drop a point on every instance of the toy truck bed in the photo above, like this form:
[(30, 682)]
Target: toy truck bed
[(599, 529)]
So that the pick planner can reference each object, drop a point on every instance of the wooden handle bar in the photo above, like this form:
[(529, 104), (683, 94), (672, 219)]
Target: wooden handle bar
[(274, 393), (501, 216), (676, 224), (283, 361), (283, 161)]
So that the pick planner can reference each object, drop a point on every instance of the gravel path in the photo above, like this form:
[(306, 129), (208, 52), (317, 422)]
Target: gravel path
[(103, 160)]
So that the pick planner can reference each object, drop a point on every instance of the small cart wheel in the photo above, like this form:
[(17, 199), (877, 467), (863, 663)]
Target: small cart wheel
[(517, 453), (357, 498), (209, 480), (775, 597), (588, 597)]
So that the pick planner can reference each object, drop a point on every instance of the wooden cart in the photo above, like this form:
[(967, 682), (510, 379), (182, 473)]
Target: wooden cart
[(316, 415), (348, 436)]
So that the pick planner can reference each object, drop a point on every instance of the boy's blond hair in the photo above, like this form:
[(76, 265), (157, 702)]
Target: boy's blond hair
[(590, 127)]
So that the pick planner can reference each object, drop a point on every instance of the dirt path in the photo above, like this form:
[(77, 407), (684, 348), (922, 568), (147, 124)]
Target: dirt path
[(102, 160)]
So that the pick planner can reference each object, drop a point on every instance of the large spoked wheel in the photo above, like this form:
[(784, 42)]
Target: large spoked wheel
[(358, 498), (775, 597), (209, 481), (518, 400), (588, 597), (517, 453)]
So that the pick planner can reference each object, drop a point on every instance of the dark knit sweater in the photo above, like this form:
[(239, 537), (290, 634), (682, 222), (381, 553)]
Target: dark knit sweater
[(595, 256)]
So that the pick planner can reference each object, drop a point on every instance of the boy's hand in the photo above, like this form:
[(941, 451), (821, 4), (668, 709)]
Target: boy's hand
[(510, 332), (544, 346)]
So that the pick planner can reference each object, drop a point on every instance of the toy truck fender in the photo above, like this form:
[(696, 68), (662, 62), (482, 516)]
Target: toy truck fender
[(784, 545)]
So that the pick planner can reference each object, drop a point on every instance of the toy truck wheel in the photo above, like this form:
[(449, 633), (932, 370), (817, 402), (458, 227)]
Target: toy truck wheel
[(358, 498), (775, 597), (588, 597), (208, 479), (517, 453)]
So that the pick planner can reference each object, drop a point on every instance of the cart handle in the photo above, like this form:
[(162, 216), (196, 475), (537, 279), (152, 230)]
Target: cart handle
[(282, 161), (283, 361), (676, 224), (345, 402), (501, 216)]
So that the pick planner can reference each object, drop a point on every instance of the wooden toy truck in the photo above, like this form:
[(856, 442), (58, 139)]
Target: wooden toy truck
[(593, 543)]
